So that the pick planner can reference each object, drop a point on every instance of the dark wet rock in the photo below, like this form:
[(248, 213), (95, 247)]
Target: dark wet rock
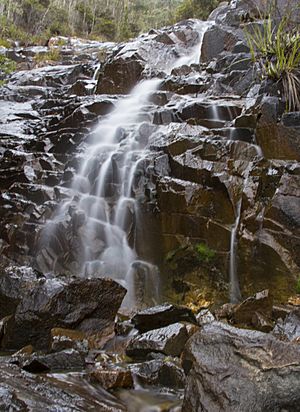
[(246, 121), (120, 75), (233, 369), (163, 372), (169, 340), (291, 119), (15, 282), (289, 328), (261, 322), (281, 311), (88, 305), (59, 361), (260, 304), (112, 378), (277, 140), (217, 40), (22, 391), (160, 316)]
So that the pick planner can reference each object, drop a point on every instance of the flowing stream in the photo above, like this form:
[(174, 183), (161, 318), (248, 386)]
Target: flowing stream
[(105, 205)]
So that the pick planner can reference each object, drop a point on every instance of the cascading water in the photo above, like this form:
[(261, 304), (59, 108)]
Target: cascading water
[(235, 293), (104, 207)]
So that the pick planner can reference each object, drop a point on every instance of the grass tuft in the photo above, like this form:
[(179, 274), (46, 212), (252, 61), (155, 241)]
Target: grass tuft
[(276, 50)]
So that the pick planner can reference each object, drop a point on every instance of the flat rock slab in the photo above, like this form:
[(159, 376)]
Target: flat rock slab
[(231, 369)]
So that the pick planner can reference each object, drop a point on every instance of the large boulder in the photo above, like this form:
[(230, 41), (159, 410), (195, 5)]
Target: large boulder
[(231, 369), (89, 305)]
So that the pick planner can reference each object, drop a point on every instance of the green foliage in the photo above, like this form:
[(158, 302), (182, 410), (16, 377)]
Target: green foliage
[(199, 9), (4, 43), (276, 49), (52, 55), (204, 253), (9, 30), (106, 27), (30, 21), (298, 286), (7, 66)]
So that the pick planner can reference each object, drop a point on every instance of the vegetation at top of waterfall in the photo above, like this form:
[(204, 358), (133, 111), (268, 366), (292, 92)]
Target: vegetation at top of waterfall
[(275, 48), (34, 21)]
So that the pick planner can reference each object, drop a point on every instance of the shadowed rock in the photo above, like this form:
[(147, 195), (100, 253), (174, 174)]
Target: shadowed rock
[(87, 305)]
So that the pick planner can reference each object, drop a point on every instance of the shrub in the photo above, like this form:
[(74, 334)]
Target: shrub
[(276, 50), (204, 253)]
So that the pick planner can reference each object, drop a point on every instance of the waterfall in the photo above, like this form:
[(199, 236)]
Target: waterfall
[(235, 294), (104, 207)]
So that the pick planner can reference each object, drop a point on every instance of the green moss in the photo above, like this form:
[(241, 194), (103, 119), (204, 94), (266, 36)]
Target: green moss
[(298, 286), (204, 253)]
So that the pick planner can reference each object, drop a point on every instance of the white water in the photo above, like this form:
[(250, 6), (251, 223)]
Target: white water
[(235, 293), (105, 192)]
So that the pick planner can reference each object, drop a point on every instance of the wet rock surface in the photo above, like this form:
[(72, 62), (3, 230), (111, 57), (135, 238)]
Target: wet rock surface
[(23, 391), (169, 340), (162, 315), (220, 155), (89, 305), (222, 361)]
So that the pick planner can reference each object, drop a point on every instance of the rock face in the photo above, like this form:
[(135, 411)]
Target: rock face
[(87, 305), (211, 164), (232, 369), (131, 62)]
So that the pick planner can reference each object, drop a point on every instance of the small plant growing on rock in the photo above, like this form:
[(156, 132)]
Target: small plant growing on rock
[(298, 286), (7, 66), (204, 253), (52, 55), (276, 50)]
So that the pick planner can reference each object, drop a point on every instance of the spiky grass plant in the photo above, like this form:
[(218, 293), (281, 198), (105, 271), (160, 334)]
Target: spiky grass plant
[(276, 50)]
